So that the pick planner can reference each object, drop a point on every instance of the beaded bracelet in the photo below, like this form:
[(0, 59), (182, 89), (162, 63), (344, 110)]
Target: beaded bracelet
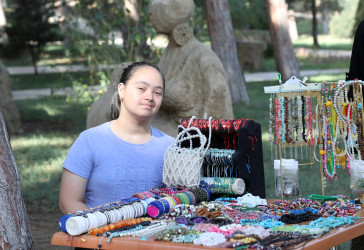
[(155, 209), (209, 239), (166, 206), (192, 197), (176, 199)]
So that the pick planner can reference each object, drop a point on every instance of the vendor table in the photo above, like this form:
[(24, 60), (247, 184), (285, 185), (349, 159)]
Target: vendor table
[(333, 238)]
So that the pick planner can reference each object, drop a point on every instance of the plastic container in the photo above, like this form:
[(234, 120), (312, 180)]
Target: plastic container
[(289, 179), (357, 176)]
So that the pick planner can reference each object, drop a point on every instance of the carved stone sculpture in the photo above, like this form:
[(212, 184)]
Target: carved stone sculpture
[(195, 78)]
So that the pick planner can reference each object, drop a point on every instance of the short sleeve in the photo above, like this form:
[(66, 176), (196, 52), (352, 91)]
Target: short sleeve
[(79, 157)]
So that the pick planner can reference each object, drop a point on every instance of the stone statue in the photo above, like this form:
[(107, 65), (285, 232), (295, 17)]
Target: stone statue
[(7, 104), (195, 78)]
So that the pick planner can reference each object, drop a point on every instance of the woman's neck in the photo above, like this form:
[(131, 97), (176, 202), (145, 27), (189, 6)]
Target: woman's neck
[(131, 130)]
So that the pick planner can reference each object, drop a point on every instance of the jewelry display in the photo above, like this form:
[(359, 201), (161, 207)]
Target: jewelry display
[(219, 210), (219, 163), (235, 150), (223, 185), (218, 222), (182, 166), (209, 239), (357, 176), (250, 200), (288, 175), (317, 117)]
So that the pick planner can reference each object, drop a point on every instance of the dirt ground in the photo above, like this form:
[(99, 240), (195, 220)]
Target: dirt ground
[(43, 226)]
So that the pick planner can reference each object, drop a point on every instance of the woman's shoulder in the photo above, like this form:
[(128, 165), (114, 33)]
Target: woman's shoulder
[(98, 130), (161, 135)]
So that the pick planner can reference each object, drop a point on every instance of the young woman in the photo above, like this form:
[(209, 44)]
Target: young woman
[(124, 156)]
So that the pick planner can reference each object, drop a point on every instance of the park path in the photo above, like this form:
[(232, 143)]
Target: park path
[(44, 92)]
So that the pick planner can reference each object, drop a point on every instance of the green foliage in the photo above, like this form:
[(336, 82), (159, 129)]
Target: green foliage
[(304, 26), (52, 80), (86, 94), (105, 33), (95, 24), (199, 22), (28, 27), (359, 16), (248, 14), (342, 23)]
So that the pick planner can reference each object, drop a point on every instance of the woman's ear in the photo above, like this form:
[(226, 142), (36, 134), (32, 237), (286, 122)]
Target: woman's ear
[(121, 88)]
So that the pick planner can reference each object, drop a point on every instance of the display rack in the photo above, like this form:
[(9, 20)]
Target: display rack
[(313, 115), (243, 138)]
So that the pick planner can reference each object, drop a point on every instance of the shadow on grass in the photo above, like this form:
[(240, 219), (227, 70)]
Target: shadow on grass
[(52, 114), (50, 127)]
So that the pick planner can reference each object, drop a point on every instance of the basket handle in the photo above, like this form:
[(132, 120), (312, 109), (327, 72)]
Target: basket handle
[(180, 137)]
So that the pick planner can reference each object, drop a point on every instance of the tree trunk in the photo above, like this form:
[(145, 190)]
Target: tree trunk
[(325, 22), (223, 43), (314, 24), (14, 225), (33, 55), (284, 54), (3, 35)]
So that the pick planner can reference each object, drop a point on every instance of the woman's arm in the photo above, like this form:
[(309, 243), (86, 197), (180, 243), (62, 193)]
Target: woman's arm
[(72, 192)]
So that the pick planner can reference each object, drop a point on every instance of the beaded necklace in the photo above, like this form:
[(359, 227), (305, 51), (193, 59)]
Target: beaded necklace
[(270, 130), (332, 221), (310, 136), (346, 119), (209, 239), (283, 240), (283, 115), (327, 147), (278, 121)]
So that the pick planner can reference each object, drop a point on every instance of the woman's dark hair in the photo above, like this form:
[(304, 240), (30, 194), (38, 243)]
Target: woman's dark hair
[(125, 77)]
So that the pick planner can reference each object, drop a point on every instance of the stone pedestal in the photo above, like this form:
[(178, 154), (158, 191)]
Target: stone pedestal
[(251, 45)]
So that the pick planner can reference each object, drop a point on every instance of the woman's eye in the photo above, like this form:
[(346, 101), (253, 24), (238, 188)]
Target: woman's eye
[(158, 93)]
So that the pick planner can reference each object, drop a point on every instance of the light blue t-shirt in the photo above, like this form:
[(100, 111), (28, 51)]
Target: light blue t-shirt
[(116, 169)]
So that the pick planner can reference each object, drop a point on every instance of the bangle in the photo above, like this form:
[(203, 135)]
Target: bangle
[(155, 209), (166, 207)]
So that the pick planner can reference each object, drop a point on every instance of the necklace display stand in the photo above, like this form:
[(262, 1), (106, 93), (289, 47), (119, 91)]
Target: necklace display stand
[(310, 114), (292, 103)]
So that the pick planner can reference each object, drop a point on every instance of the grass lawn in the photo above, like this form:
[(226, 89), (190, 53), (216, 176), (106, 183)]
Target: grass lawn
[(325, 42), (52, 80), (53, 54), (50, 127)]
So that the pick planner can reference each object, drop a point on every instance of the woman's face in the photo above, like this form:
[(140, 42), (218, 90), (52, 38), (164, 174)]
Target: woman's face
[(142, 95)]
